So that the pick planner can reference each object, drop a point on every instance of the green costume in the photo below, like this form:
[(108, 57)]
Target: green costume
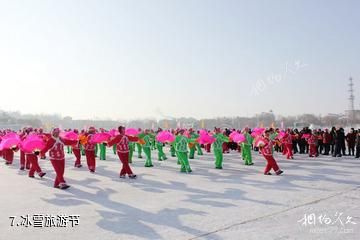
[(139, 149), (114, 149), (178, 162), (198, 148), (147, 148), (69, 149), (176, 153), (192, 145), (131, 151), (192, 151), (182, 152), (96, 149), (195, 136), (82, 150), (161, 154), (172, 150), (272, 138), (217, 145), (102, 151), (153, 142), (246, 149)]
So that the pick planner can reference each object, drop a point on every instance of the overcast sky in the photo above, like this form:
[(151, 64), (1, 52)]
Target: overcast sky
[(201, 58)]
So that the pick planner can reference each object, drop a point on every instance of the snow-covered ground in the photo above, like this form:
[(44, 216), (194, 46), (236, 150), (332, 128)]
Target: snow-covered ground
[(238, 202)]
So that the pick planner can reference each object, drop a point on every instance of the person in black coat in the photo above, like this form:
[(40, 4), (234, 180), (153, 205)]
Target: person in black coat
[(320, 146), (357, 143), (339, 143), (333, 137), (342, 142), (302, 141)]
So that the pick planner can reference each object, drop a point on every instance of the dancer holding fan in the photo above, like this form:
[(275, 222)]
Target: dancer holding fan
[(265, 144), (220, 138), (31, 146), (122, 142), (55, 146), (90, 150), (246, 147), (182, 151)]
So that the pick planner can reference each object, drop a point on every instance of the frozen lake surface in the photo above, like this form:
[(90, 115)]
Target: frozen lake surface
[(238, 202)]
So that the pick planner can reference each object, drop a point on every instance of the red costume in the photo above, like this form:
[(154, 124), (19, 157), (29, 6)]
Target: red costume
[(208, 147), (225, 147), (327, 138), (90, 154), (23, 161), (312, 146), (122, 149), (1, 154), (34, 165), (57, 158), (288, 145), (45, 137), (8, 155), (77, 153), (266, 151)]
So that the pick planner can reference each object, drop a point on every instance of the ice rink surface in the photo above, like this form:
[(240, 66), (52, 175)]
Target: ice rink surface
[(315, 198)]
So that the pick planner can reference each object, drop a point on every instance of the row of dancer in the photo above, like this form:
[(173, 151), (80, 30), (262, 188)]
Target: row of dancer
[(183, 147)]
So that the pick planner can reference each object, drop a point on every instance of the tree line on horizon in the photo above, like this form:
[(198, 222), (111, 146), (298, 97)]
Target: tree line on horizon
[(17, 120)]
